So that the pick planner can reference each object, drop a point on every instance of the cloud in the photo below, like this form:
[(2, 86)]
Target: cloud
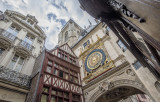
[(51, 15)]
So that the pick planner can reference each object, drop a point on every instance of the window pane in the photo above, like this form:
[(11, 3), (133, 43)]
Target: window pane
[(19, 64), (71, 78), (44, 98), (76, 80), (45, 89), (48, 69), (60, 100), (66, 100), (29, 39), (60, 67), (59, 54), (53, 99), (66, 95), (12, 31), (50, 62), (137, 65), (60, 93), (61, 74), (13, 62), (66, 76), (56, 65), (55, 72), (66, 58), (54, 92), (121, 45)]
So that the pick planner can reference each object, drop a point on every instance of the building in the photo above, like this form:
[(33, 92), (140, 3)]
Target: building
[(109, 71), (21, 41), (69, 33), (127, 17), (56, 77)]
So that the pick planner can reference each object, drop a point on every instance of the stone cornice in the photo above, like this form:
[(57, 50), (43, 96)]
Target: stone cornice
[(27, 26)]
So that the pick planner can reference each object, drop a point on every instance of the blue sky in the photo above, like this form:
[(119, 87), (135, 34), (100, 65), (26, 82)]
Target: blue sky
[(51, 15)]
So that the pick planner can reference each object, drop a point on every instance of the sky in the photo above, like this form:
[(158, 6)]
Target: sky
[(52, 15)]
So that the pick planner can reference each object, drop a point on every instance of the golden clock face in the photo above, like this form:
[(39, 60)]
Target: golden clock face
[(94, 59)]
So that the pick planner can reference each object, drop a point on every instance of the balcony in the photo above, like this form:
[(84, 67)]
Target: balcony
[(6, 39), (13, 77), (24, 48)]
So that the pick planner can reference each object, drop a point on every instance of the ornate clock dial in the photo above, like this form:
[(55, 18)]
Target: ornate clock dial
[(94, 59)]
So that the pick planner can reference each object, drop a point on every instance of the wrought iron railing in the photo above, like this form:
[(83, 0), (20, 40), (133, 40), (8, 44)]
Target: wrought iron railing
[(14, 77), (26, 45), (7, 35)]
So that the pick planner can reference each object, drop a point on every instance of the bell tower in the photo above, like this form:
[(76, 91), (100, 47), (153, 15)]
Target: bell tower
[(69, 33)]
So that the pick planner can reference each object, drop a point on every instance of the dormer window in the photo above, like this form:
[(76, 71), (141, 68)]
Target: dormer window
[(14, 29), (30, 22)]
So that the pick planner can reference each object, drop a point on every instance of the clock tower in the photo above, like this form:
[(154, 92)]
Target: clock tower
[(69, 33)]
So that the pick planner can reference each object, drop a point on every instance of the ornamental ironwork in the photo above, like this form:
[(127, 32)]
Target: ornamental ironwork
[(14, 77)]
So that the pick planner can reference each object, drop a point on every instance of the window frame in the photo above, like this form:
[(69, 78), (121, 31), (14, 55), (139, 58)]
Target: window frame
[(13, 68), (121, 46)]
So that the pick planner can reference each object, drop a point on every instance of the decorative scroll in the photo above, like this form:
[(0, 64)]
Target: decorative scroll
[(12, 76)]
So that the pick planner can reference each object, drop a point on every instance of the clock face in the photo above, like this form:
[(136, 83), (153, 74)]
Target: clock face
[(94, 59)]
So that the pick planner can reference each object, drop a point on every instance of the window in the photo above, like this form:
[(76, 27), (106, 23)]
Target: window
[(61, 74), (66, 95), (71, 78), (60, 100), (53, 92), (59, 96), (48, 69), (16, 63), (137, 65), (76, 80), (44, 98), (121, 45), (55, 72), (56, 65), (86, 43), (66, 35), (53, 99), (50, 62), (13, 29), (59, 54), (66, 58), (60, 93), (1, 51), (45, 90), (66, 76), (29, 39), (30, 22)]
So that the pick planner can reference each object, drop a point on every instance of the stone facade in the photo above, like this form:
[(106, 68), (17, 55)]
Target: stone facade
[(119, 76), (69, 33), (21, 41)]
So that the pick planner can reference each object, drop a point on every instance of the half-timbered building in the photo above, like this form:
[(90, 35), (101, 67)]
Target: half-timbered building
[(58, 80)]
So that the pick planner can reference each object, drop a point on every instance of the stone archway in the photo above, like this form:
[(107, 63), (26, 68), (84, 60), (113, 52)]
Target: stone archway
[(116, 90)]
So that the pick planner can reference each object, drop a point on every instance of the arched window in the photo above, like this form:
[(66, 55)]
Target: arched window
[(66, 35)]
